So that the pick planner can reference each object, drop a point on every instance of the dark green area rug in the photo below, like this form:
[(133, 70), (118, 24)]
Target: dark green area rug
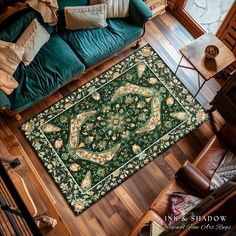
[(98, 136)]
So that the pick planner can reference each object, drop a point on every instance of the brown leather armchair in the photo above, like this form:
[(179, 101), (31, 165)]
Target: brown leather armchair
[(193, 178)]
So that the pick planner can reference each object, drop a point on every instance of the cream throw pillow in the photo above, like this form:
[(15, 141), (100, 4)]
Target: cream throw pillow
[(7, 82), (10, 56), (32, 39), (115, 8), (85, 17)]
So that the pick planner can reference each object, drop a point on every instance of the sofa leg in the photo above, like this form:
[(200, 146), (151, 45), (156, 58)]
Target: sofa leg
[(17, 116), (138, 42), (48, 221), (10, 113)]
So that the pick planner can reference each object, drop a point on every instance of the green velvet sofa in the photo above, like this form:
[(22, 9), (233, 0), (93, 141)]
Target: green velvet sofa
[(67, 53)]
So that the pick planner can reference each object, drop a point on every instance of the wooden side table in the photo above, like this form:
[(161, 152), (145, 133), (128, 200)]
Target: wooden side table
[(194, 53), (157, 6), (225, 100)]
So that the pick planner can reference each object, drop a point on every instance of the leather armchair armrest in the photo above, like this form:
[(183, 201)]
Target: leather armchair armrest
[(161, 203), (227, 135), (210, 157), (139, 12), (191, 177), (4, 101), (149, 216)]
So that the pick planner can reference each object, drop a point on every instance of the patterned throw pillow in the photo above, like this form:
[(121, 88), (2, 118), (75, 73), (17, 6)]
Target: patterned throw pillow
[(32, 39), (10, 56), (7, 82), (115, 8), (225, 171), (85, 17), (181, 204)]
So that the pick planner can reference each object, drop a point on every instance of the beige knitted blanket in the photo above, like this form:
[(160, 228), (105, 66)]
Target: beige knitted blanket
[(47, 8)]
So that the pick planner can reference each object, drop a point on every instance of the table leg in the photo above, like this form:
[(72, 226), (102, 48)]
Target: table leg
[(179, 64), (199, 82), (192, 68), (199, 86)]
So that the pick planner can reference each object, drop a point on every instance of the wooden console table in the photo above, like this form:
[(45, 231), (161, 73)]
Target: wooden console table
[(157, 6), (194, 53), (31, 188)]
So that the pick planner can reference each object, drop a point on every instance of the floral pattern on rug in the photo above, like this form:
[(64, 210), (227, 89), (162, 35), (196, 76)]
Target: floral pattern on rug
[(98, 136)]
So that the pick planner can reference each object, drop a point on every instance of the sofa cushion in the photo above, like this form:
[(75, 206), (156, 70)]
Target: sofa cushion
[(14, 29), (125, 28), (93, 45), (53, 66)]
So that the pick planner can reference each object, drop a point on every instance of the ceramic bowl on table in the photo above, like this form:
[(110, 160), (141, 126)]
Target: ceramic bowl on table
[(211, 51)]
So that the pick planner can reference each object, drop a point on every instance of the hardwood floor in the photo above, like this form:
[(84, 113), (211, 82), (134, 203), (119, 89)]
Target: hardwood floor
[(117, 212)]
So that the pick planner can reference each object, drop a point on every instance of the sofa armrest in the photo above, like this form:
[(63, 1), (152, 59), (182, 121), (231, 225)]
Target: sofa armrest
[(139, 12), (191, 177), (4, 101)]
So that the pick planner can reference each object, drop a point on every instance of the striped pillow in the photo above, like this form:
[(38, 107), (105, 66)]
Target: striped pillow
[(225, 171), (10, 56), (115, 8), (7, 82)]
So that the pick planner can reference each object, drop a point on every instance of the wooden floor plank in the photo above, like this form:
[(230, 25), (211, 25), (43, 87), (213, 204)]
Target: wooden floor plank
[(172, 162), (128, 202), (172, 38)]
